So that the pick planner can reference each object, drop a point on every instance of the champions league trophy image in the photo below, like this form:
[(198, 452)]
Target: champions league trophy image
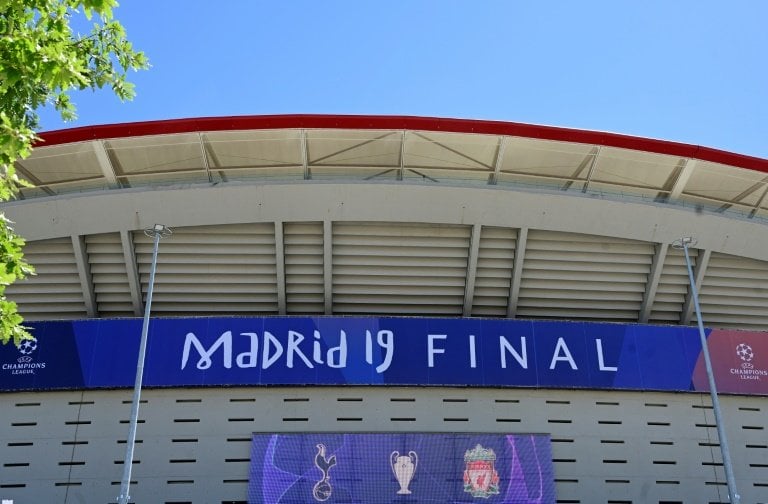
[(404, 468), (322, 489)]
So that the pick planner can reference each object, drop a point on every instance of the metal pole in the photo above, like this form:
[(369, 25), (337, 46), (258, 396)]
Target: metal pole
[(733, 494), (158, 231)]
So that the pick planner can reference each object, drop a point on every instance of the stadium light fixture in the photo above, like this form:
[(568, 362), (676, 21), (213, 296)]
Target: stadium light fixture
[(156, 232), (733, 495)]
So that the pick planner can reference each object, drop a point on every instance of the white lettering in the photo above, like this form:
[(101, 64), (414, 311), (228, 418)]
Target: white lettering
[(204, 362), (600, 360), (270, 341), (368, 347), (294, 338), (505, 345), (317, 354), (472, 359), (340, 351), (251, 358), (556, 357), (431, 350), (386, 340)]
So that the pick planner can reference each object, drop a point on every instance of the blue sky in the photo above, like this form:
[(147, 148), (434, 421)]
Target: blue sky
[(683, 70)]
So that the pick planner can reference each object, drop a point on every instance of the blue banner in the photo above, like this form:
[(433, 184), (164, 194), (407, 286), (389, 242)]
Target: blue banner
[(401, 467), (380, 351)]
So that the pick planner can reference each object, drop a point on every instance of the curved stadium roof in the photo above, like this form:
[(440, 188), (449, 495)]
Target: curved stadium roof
[(390, 215)]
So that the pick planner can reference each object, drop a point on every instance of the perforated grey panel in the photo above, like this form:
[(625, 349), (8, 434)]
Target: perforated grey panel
[(110, 278), (734, 292), (304, 267), (673, 287), (567, 275), (212, 270), (55, 292), (495, 259), (405, 269)]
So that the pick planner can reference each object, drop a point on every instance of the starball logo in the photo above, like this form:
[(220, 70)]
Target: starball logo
[(747, 370), (25, 364)]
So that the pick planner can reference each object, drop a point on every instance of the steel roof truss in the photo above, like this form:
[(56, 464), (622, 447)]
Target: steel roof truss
[(591, 171), (31, 178), (319, 161), (105, 164), (759, 202), (455, 151), (586, 164), (682, 179), (204, 155), (494, 177), (117, 168), (401, 172), (423, 175), (210, 157), (305, 155), (743, 194)]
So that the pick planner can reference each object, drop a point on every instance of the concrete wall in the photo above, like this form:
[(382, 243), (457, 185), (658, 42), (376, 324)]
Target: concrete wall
[(193, 444)]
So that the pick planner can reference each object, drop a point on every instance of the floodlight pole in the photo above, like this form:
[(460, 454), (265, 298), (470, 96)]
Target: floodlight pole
[(733, 494), (157, 231)]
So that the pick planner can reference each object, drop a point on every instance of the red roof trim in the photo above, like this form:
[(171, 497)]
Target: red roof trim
[(401, 122)]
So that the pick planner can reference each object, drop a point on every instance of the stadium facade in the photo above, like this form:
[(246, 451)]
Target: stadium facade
[(372, 276)]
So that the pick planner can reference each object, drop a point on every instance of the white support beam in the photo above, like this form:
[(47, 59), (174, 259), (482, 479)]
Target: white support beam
[(328, 265), (204, 156), (280, 267), (682, 179), (105, 163), (401, 171), (305, 155), (494, 178), (517, 271), (132, 269), (591, 171), (702, 260), (759, 202), (653, 281), (469, 286), (84, 272)]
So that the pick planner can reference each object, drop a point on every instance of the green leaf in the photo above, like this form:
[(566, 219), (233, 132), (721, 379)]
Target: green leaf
[(41, 62)]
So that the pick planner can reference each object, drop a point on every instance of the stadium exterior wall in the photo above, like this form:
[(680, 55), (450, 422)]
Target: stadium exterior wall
[(260, 246), (194, 444)]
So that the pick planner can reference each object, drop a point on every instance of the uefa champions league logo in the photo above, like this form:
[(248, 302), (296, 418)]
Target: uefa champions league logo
[(745, 352), (26, 348), (747, 370), (25, 364)]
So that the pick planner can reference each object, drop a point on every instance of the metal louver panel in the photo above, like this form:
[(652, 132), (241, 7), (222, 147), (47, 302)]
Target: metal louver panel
[(405, 269), (55, 292), (304, 267), (734, 292), (495, 259), (208, 270), (673, 287), (576, 276), (109, 275)]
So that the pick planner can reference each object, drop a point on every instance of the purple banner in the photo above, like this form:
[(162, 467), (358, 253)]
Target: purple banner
[(400, 468)]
